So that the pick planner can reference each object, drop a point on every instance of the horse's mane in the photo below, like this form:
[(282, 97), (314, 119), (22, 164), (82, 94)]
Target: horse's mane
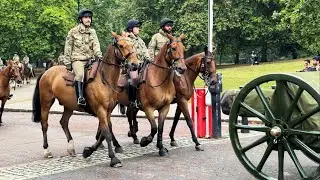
[(191, 58)]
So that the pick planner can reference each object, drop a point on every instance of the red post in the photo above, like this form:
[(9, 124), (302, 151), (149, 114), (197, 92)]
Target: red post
[(201, 112)]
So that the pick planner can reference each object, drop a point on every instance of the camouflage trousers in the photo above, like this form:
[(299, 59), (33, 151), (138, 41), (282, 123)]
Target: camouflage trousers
[(78, 69)]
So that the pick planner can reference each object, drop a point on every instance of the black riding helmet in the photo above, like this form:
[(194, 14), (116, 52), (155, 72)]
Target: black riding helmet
[(83, 13), (166, 21), (133, 23)]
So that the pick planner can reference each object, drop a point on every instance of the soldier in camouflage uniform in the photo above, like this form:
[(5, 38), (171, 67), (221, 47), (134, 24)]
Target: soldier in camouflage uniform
[(16, 59), (1, 64), (61, 59), (133, 30), (81, 45), (161, 38)]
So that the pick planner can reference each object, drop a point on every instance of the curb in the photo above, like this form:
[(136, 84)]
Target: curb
[(253, 121)]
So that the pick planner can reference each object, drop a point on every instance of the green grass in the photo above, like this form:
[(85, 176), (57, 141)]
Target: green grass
[(235, 76)]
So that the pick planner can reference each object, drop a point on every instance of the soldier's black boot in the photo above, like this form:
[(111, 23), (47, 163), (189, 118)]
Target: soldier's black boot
[(133, 97), (79, 92)]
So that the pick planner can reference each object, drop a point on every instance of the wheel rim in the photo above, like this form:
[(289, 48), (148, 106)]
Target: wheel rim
[(279, 134)]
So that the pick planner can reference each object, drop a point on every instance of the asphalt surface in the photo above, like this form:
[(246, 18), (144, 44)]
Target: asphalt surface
[(21, 153)]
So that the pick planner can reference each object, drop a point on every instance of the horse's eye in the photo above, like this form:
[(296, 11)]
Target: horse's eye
[(174, 49), (120, 46)]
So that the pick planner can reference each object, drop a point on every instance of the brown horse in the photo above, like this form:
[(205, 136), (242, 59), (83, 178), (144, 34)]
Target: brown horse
[(157, 90), (9, 72), (196, 64), (100, 94)]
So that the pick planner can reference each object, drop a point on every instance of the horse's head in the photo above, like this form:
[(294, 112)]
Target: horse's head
[(125, 52), (14, 71), (175, 54), (208, 67)]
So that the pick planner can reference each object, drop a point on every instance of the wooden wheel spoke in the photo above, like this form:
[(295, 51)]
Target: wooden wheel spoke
[(305, 149), (254, 144), (302, 132), (294, 158), (265, 156), (253, 128), (265, 103), (304, 117), (280, 161), (255, 112), (293, 104)]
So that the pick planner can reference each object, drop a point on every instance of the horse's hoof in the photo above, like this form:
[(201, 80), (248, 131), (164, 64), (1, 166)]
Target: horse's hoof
[(199, 148), (47, 155), (71, 152), (118, 149), (101, 146), (163, 152), (87, 151), (173, 144), (115, 162), (136, 141), (129, 134), (144, 142)]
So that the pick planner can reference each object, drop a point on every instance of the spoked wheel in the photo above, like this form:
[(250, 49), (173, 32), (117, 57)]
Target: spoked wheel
[(288, 123)]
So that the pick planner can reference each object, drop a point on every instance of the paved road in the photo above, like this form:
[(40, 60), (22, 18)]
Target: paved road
[(21, 153)]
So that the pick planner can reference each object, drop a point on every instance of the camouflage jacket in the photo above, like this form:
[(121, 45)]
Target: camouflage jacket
[(1, 62), (81, 44), (140, 47), (157, 41), (16, 59), (25, 60), (61, 59)]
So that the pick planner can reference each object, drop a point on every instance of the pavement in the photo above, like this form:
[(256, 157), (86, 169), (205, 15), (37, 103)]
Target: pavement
[(21, 154)]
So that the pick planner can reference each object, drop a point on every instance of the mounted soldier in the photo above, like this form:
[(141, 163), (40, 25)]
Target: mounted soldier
[(1, 64), (16, 59), (159, 39), (132, 32), (26, 61), (81, 45)]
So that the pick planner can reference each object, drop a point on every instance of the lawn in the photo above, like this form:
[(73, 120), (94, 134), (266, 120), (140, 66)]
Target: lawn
[(235, 76)]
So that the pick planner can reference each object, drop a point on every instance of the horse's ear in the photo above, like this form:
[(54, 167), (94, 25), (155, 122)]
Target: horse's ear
[(9, 63), (115, 35), (170, 37), (181, 37)]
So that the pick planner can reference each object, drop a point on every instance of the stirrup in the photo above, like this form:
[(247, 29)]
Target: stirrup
[(81, 101)]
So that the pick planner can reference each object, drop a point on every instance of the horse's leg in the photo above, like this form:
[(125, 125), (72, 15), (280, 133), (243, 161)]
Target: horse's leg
[(104, 121), (174, 125), (147, 140), (133, 124), (162, 115), (118, 148), (183, 105), (45, 107), (3, 102), (67, 113)]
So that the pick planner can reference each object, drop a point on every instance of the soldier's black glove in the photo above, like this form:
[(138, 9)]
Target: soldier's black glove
[(69, 67)]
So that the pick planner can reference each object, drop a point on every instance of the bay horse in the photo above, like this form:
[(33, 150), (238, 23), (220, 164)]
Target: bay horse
[(157, 91), (100, 94), (203, 63), (6, 74)]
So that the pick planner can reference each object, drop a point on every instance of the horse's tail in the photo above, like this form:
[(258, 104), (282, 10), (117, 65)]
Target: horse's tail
[(36, 104)]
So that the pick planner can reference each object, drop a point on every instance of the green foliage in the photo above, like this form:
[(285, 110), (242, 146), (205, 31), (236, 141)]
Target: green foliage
[(273, 28)]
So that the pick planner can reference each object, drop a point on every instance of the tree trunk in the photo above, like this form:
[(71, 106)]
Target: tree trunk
[(236, 58), (264, 52)]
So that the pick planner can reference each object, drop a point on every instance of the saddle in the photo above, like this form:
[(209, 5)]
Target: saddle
[(90, 72)]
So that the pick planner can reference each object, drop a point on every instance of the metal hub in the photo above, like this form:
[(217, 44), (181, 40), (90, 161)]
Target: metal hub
[(275, 131)]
